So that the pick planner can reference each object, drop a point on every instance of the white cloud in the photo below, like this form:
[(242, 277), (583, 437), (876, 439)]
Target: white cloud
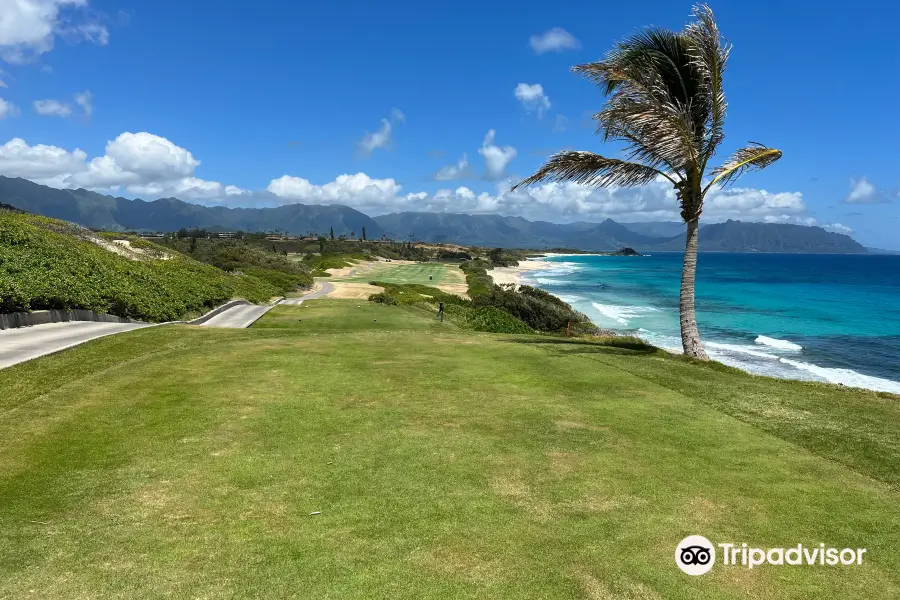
[(139, 163), (838, 228), (52, 108), (8, 109), (85, 101), (533, 98), (553, 40), (457, 171), (552, 202), (58, 108), (382, 137), (863, 192), (495, 158), (28, 28), (147, 165)]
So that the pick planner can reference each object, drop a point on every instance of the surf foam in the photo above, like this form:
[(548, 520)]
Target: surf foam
[(779, 344)]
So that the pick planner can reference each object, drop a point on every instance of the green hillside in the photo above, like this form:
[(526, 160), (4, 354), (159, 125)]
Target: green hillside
[(51, 264)]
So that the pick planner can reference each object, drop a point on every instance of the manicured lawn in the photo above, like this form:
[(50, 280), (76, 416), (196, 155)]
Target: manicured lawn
[(333, 316), (417, 273), (183, 461)]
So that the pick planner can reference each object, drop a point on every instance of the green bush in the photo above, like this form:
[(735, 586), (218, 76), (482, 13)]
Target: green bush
[(536, 308), (495, 320), (283, 282), (480, 283), (51, 264), (413, 293), (382, 298)]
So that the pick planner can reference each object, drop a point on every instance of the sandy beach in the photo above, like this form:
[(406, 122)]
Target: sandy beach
[(514, 275)]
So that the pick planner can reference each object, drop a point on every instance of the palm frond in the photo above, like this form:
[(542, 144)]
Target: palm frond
[(752, 158), (591, 169), (651, 89), (709, 58)]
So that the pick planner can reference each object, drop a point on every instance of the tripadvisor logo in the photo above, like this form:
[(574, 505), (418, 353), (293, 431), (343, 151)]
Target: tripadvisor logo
[(696, 555)]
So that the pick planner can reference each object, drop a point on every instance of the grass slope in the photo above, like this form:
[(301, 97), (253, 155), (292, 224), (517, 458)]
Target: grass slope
[(50, 264), (183, 461)]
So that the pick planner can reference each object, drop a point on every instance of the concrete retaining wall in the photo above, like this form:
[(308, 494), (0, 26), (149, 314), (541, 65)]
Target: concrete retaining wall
[(42, 317)]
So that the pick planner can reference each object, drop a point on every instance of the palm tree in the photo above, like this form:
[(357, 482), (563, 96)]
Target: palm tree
[(665, 102)]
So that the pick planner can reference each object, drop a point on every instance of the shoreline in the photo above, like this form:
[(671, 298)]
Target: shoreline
[(515, 275), (757, 358)]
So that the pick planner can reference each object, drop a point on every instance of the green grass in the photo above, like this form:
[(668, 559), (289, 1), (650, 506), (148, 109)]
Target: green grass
[(183, 461), (340, 316), (417, 273)]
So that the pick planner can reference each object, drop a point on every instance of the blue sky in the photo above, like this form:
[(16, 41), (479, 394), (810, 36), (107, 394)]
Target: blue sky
[(273, 102)]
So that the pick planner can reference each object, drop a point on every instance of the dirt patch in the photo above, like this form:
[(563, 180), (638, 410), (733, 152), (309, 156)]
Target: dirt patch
[(352, 291)]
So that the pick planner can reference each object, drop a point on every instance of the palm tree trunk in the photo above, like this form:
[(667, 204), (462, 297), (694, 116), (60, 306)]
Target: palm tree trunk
[(690, 336)]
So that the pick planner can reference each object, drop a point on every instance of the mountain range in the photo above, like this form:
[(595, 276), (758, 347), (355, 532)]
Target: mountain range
[(170, 214)]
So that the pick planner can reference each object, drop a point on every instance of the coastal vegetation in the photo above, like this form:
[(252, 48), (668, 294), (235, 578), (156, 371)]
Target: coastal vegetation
[(666, 103), (51, 264), (355, 450)]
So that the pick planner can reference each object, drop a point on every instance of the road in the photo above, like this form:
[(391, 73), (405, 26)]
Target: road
[(326, 288), (25, 343), (238, 317)]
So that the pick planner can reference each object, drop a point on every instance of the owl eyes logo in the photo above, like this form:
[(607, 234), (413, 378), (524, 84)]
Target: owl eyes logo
[(695, 555)]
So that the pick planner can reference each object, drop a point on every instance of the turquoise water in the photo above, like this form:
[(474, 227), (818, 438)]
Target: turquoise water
[(832, 318)]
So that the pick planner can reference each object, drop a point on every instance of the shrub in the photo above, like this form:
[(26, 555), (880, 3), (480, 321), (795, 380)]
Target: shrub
[(382, 298), (50, 264), (495, 320)]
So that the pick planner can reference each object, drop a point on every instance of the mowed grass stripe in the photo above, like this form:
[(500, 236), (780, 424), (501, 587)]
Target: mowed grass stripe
[(417, 273), (445, 464)]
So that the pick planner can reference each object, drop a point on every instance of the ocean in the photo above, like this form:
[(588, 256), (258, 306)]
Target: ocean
[(832, 318)]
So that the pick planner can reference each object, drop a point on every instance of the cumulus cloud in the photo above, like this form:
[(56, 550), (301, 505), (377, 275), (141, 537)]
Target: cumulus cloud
[(28, 28), (459, 170), (382, 137), (8, 109), (533, 98), (553, 40), (150, 166), (52, 108), (559, 202), (140, 163), (495, 158), (863, 192)]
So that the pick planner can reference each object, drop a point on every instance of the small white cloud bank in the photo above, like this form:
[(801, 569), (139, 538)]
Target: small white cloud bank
[(496, 158), (381, 138), (532, 98), (864, 192), (553, 40), (460, 170)]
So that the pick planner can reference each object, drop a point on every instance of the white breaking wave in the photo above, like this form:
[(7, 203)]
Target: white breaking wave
[(740, 350), (560, 268), (622, 314), (775, 366), (848, 377), (776, 343)]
